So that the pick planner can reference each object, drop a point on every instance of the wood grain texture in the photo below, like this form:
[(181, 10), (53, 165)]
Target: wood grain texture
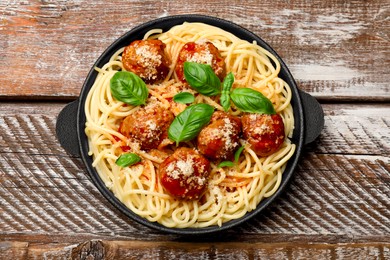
[(337, 50), (337, 205), (97, 249), (339, 194)]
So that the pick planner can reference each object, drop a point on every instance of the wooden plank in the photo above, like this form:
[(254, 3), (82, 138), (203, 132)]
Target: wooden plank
[(355, 129), (98, 249), (337, 50), (339, 194)]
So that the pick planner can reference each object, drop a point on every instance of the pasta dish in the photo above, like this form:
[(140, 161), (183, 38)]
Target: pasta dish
[(190, 127)]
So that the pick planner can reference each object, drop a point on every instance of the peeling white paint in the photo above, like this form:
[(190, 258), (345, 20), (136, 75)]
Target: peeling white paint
[(164, 14), (327, 29), (343, 80), (313, 29), (327, 72)]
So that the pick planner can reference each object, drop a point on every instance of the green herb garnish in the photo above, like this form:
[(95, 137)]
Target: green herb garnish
[(129, 88), (236, 158), (225, 164), (188, 123), (238, 153), (202, 78), (127, 159), (184, 98), (252, 101), (226, 87)]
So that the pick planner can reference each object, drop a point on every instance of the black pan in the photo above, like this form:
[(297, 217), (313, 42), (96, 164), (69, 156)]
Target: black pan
[(309, 117)]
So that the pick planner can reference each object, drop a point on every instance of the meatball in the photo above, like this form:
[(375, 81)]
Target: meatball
[(264, 132), (184, 174), (147, 126), (200, 52), (220, 138), (147, 59)]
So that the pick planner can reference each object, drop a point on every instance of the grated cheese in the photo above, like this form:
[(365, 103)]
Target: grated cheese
[(204, 56), (149, 60), (265, 127), (260, 130), (217, 194), (227, 133), (181, 168), (151, 124), (147, 56)]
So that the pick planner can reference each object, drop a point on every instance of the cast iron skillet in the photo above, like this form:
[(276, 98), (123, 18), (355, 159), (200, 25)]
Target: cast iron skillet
[(309, 117)]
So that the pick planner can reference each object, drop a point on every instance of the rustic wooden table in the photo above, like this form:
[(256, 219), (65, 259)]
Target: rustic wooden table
[(337, 205)]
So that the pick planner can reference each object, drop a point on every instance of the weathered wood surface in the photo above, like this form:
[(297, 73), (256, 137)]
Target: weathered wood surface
[(337, 205), (97, 249), (335, 49)]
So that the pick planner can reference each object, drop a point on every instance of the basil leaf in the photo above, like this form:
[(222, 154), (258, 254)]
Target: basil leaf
[(202, 78), (226, 87), (188, 123), (129, 88), (184, 98), (238, 153), (252, 101), (236, 157), (225, 164), (127, 159)]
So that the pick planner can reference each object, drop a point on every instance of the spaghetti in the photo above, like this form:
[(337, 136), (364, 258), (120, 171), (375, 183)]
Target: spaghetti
[(231, 191)]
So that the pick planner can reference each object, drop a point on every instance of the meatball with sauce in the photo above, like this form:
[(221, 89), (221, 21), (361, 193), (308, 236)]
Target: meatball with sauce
[(200, 52), (184, 174), (147, 126), (264, 132), (220, 138), (147, 59)]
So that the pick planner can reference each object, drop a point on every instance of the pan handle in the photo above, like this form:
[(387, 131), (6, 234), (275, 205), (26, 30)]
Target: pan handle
[(66, 128), (314, 117)]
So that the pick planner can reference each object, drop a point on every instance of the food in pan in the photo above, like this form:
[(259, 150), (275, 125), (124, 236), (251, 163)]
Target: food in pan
[(190, 127)]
